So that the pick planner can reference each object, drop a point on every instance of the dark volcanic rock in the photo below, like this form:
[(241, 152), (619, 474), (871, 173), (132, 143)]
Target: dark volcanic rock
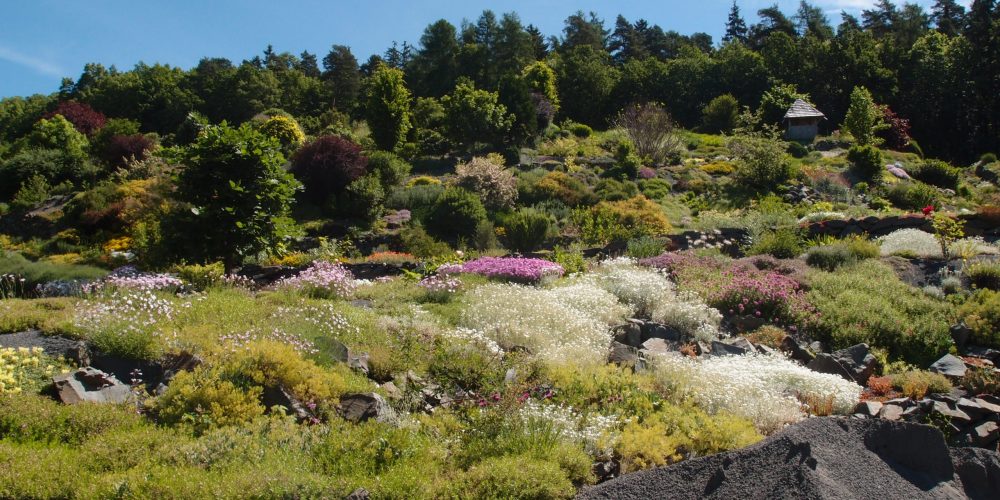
[(795, 351), (625, 355), (949, 365), (722, 349), (856, 363), (979, 470), (823, 458), (826, 363), (361, 407), (90, 385)]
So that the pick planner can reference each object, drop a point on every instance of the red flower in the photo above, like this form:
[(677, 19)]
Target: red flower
[(927, 210)]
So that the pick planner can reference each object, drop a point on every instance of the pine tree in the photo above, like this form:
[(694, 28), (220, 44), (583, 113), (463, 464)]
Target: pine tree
[(736, 27), (342, 76), (948, 17)]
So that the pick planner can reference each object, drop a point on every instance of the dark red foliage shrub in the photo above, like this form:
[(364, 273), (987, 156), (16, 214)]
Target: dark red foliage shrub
[(327, 165), (897, 136), (122, 148), (83, 117)]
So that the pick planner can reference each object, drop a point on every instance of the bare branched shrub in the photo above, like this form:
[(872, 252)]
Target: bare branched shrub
[(651, 129)]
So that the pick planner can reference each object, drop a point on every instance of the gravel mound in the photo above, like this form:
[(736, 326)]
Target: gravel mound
[(824, 458)]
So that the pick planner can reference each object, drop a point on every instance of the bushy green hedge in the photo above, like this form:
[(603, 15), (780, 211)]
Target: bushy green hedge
[(937, 173), (867, 163), (912, 195), (455, 214), (526, 229)]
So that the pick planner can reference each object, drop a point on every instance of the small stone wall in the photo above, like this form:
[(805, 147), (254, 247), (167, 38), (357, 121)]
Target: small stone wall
[(975, 225)]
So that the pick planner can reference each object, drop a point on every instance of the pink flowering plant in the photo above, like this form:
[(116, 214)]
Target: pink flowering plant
[(773, 297), (516, 269), (321, 279), (740, 290), (440, 288), (130, 278)]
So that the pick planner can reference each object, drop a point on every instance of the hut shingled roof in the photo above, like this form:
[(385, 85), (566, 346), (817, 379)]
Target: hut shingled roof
[(802, 109)]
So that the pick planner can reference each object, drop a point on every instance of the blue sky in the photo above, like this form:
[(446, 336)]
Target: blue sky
[(42, 41)]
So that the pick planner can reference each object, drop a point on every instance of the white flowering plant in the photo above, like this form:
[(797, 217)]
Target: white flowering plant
[(551, 323), (770, 391)]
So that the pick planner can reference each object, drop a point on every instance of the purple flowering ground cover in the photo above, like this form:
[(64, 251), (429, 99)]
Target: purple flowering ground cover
[(520, 269)]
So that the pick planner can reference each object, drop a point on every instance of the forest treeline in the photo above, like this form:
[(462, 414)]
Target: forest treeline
[(938, 68)]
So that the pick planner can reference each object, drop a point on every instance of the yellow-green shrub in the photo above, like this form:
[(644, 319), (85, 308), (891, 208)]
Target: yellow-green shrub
[(718, 168), (201, 277), (205, 400), (982, 314), (918, 383), (621, 220), (510, 477), (565, 188), (668, 435)]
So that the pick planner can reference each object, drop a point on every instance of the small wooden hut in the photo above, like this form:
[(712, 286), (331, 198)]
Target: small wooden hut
[(802, 121)]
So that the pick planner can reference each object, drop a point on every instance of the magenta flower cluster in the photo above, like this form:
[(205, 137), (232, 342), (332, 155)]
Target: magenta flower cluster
[(321, 279), (773, 297), (520, 269), (646, 173), (130, 278)]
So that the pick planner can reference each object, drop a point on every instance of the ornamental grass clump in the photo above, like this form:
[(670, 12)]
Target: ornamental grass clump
[(321, 279), (770, 391), (555, 325), (516, 269)]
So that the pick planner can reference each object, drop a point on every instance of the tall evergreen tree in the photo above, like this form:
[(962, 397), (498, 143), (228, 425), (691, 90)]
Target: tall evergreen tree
[(736, 27), (387, 105), (342, 76), (880, 19), (539, 47), (580, 31), (513, 46), (812, 21), (435, 67), (393, 57), (948, 17), (771, 20), (308, 64)]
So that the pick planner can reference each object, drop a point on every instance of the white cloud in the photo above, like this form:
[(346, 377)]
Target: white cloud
[(28, 61)]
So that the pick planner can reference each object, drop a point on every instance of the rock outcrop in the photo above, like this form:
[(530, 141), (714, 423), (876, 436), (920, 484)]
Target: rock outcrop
[(824, 458)]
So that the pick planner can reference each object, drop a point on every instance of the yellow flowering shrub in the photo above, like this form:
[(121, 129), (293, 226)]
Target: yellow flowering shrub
[(118, 244)]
